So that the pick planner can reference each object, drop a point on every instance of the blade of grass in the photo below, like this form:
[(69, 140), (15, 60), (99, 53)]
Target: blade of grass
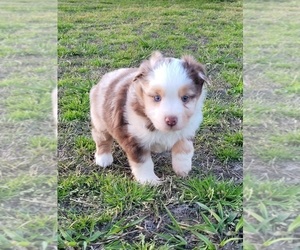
[(255, 215), (271, 242), (174, 221), (224, 242), (202, 237), (294, 225), (239, 225), (212, 212)]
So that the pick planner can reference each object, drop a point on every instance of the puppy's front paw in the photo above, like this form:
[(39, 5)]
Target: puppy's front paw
[(182, 164), (153, 180), (144, 172), (104, 160)]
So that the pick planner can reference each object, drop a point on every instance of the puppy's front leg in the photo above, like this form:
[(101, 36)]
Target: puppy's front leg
[(182, 153), (143, 169)]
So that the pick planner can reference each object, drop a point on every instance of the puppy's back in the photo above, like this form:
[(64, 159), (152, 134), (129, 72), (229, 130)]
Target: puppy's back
[(106, 95)]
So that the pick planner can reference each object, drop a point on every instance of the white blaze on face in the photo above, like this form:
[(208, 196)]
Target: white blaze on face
[(167, 83)]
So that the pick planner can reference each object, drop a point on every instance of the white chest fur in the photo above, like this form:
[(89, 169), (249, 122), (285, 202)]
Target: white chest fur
[(158, 141)]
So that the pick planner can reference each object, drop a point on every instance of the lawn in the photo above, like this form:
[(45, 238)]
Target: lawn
[(28, 183), (271, 125), (107, 208)]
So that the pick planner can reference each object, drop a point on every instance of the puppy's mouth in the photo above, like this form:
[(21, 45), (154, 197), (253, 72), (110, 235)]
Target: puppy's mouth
[(170, 128), (152, 128), (175, 128)]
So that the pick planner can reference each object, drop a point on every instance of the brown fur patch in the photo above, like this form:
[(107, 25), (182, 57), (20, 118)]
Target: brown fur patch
[(138, 108), (155, 91), (135, 152), (114, 114), (150, 126), (190, 90), (193, 69), (104, 146), (182, 147)]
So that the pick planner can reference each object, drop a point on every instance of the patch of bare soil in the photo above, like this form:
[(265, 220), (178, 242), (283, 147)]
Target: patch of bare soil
[(274, 121)]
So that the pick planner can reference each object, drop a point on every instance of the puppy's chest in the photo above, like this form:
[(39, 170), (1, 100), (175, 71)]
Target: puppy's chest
[(156, 141), (159, 142)]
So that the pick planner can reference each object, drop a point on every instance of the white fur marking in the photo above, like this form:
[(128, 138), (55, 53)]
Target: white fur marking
[(170, 76), (144, 172), (182, 163), (104, 160)]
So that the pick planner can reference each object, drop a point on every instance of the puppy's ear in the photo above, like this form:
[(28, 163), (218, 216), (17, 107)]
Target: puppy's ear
[(204, 77), (140, 79), (155, 57), (142, 71), (138, 89), (147, 66), (194, 69)]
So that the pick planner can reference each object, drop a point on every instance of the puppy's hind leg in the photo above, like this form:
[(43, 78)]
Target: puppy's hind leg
[(103, 140)]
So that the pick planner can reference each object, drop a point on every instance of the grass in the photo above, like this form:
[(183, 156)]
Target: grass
[(106, 208), (28, 182), (271, 214), (271, 126), (125, 210)]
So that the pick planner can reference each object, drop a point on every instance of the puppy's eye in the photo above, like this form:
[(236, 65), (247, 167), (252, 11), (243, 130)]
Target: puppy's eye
[(185, 98), (157, 98)]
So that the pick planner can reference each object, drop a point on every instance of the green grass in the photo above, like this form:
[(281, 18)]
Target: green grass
[(112, 211), (28, 182), (270, 213), (106, 208), (271, 125)]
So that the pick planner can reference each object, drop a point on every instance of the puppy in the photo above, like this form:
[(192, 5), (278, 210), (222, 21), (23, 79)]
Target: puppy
[(153, 108)]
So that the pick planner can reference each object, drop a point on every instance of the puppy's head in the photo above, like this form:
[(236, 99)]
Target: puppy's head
[(169, 90)]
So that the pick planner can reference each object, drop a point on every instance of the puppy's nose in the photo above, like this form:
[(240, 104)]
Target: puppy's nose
[(171, 120)]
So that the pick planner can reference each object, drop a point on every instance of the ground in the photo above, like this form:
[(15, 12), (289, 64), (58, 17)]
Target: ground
[(106, 208)]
